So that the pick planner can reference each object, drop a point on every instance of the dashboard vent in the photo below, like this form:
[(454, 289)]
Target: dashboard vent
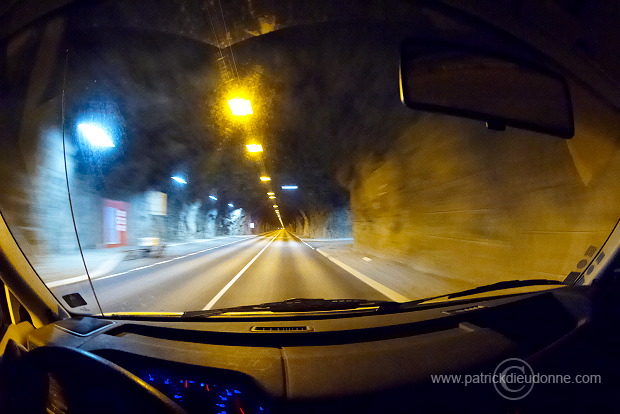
[(281, 328)]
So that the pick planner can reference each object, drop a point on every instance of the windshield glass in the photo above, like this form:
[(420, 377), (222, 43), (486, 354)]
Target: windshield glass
[(180, 156)]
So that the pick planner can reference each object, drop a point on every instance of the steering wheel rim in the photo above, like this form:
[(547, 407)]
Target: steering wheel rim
[(77, 381)]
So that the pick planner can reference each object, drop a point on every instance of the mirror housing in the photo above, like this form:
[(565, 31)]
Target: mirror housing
[(462, 81)]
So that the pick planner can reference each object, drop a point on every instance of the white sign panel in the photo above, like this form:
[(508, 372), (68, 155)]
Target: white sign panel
[(157, 203)]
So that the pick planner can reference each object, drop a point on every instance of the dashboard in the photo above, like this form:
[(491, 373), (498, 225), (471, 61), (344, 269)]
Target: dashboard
[(197, 389), (372, 363)]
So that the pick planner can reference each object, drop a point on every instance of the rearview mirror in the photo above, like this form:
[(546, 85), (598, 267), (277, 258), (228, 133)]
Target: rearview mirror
[(461, 81)]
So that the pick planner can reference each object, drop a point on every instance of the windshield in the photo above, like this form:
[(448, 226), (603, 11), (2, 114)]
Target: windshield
[(186, 156)]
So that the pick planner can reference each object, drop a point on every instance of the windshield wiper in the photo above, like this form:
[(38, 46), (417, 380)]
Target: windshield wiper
[(383, 306), (296, 305), (506, 284)]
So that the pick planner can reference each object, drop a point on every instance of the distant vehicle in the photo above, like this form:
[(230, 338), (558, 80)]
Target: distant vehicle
[(148, 246)]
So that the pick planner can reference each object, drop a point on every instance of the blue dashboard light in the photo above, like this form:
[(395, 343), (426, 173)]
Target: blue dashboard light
[(217, 396)]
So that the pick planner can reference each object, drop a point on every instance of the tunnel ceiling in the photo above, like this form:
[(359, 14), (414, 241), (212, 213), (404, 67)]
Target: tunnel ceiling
[(324, 92), (326, 73)]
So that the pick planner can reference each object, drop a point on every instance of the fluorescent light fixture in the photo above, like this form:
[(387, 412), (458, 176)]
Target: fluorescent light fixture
[(265, 178), (290, 187), (96, 136), (178, 179), (275, 206), (271, 193), (214, 198), (254, 147), (231, 205), (240, 106), (272, 197)]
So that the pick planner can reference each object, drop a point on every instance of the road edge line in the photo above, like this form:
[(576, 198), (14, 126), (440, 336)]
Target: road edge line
[(384, 290), (300, 239), (81, 278)]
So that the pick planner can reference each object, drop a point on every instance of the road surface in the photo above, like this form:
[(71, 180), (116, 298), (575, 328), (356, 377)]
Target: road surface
[(242, 271)]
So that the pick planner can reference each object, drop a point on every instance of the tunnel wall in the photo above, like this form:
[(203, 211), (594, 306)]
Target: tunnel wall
[(317, 223), (454, 199)]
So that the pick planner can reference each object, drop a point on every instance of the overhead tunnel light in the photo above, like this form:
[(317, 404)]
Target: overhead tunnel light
[(95, 135), (179, 180), (254, 147), (240, 106)]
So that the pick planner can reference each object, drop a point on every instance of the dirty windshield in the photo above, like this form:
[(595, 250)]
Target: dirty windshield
[(180, 156)]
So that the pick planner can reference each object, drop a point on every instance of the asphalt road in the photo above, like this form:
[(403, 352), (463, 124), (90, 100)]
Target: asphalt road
[(272, 267)]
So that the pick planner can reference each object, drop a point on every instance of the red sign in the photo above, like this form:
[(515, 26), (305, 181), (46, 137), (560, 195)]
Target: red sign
[(115, 223)]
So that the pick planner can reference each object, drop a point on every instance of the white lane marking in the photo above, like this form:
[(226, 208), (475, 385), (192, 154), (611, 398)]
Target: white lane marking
[(237, 236), (191, 242), (342, 239), (237, 276), (366, 259), (84, 277), (307, 244), (397, 297), (302, 241), (366, 279), (63, 282), (104, 269)]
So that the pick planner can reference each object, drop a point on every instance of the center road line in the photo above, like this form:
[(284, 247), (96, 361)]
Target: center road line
[(237, 276), (384, 290)]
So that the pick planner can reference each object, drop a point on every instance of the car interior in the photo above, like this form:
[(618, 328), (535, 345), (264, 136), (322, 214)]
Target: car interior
[(482, 61)]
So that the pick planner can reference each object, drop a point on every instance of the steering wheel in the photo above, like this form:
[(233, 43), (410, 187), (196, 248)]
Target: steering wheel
[(69, 380)]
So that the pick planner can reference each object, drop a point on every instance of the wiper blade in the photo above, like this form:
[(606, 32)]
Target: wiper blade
[(295, 305), (506, 284), (383, 306)]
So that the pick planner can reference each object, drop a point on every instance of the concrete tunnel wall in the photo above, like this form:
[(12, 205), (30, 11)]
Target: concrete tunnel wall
[(456, 200)]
